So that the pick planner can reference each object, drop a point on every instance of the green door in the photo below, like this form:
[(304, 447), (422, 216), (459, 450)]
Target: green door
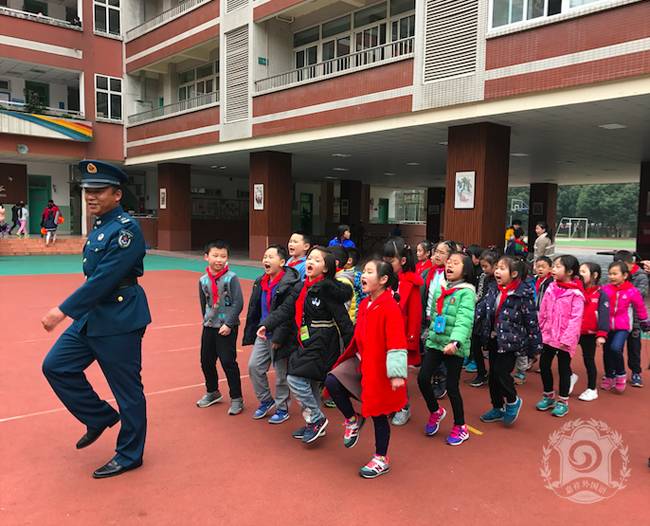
[(40, 192), (42, 90), (383, 211)]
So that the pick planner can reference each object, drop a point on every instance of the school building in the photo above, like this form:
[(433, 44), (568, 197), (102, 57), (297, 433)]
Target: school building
[(246, 119)]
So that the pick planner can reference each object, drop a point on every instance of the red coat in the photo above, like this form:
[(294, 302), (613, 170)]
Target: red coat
[(410, 303), (376, 333)]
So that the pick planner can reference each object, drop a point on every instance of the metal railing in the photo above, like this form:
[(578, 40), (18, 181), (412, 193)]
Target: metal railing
[(163, 17), (53, 112), (396, 50), (26, 15), (181, 106)]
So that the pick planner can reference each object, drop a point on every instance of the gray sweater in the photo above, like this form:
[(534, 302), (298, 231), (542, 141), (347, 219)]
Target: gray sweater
[(231, 301)]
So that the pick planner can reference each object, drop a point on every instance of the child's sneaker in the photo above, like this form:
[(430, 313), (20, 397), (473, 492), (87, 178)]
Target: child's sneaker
[(458, 435), (300, 432), (377, 466), (329, 403), (264, 409), (434, 421), (512, 411), (520, 378), (546, 403), (314, 430), (352, 429), (607, 384), (471, 367), (236, 406), (440, 388), (621, 381), (636, 380), (493, 415), (561, 409), (589, 395), (574, 381), (279, 417), (209, 399), (402, 416), (479, 381)]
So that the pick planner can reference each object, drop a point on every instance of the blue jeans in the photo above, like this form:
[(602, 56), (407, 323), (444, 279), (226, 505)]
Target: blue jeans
[(613, 353), (307, 392)]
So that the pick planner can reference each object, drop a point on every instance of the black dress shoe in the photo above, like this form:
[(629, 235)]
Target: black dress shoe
[(112, 469), (93, 434)]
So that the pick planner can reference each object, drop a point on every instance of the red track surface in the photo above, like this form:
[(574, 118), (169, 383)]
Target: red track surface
[(204, 467)]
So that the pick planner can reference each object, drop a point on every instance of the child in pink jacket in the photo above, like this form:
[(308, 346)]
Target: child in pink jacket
[(560, 321), (623, 300)]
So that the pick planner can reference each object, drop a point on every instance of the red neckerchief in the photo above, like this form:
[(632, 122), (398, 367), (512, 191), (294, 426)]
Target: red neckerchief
[(296, 262), (538, 283), (423, 266), (575, 284), (504, 294), (441, 299), (634, 268), (213, 282), (435, 269), (300, 302), (268, 286), (521, 243)]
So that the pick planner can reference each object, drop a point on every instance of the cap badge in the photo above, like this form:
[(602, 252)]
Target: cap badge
[(92, 169)]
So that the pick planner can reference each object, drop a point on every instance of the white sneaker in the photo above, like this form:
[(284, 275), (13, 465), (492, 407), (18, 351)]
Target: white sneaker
[(402, 417), (589, 395), (574, 381)]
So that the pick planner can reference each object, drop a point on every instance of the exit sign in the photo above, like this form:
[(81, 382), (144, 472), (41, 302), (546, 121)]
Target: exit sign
[(262, 61)]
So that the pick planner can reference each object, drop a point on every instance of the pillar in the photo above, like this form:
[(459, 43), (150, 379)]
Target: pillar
[(435, 209), (643, 219), (478, 159), (351, 199), (364, 206), (174, 207), (542, 206), (271, 195), (327, 206)]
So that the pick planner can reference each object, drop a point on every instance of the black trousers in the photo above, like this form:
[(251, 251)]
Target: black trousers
[(634, 351), (564, 368), (500, 381), (588, 346), (454, 364), (342, 396), (224, 348), (477, 355)]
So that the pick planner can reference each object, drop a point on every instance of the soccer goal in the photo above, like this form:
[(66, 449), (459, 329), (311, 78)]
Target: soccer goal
[(573, 228)]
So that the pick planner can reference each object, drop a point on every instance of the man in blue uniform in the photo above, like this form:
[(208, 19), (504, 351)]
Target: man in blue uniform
[(110, 314)]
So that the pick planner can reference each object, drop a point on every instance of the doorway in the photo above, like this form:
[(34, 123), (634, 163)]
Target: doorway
[(40, 89), (306, 212), (382, 207), (40, 192)]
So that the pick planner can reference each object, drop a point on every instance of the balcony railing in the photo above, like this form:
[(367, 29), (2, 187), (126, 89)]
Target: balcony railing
[(398, 50), (207, 99), (163, 17), (26, 15), (53, 112)]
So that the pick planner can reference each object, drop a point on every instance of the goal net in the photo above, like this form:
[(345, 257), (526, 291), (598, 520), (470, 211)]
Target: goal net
[(573, 228)]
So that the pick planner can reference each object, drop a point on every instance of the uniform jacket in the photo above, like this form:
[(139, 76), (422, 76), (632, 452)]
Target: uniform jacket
[(516, 328), (327, 323), (640, 281), (410, 303), (283, 335), (110, 302), (347, 278), (231, 301), (540, 289), (543, 246), (299, 265), (623, 302), (425, 291), (595, 319), (458, 310), (560, 317), (380, 342), (486, 284)]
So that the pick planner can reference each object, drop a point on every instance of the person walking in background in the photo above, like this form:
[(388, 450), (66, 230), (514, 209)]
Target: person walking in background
[(23, 216), (544, 242), (342, 238), (50, 221), (3, 220), (14, 216)]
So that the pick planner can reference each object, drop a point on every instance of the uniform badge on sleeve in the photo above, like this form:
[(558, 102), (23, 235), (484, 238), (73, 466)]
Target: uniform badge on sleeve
[(124, 239)]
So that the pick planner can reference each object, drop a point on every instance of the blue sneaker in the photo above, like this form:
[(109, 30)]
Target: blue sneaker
[(561, 409), (471, 367), (493, 415), (279, 417), (512, 412), (314, 430), (636, 380), (264, 409), (466, 361)]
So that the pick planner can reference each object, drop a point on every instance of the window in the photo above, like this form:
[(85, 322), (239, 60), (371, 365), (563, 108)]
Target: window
[(334, 27), (371, 14), (108, 95), (36, 7), (505, 12), (307, 36), (401, 6), (107, 16), (199, 81)]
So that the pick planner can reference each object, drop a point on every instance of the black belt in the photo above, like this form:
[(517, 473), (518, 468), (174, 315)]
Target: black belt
[(125, 283)]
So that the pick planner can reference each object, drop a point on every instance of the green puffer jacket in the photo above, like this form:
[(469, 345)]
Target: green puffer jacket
[(458, 309)]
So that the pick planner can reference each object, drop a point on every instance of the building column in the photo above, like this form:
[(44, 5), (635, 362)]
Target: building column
[(435, 210), (643, 219), (477, 183), (271, 198), (174, 207), (351, 192), (542, 206), (364, 206)]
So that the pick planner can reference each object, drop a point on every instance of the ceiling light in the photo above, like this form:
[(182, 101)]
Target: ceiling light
[(565, 162), (330, 177), (443, 143), (214, 166), (612, 126), (412, 164), (342, 155), (390, 173), (518, 155), (340, 170)]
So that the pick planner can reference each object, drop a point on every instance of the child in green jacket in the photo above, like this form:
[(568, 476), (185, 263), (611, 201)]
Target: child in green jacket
[(449, 342)]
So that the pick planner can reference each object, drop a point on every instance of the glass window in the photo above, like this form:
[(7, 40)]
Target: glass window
[(535, 8), (578, 3), (401, 6), (186, 76), (369, 15), (204, 71), (328, 50), (108, 97), (507, 12), (102, 82), (340, 25), (116, 85), (305, 37), (554, 7), (107, 16)]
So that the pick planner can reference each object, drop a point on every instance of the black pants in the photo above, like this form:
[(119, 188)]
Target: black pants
[(564, 368), (634, 351), (500, 381), (16, 223), (224, 348), (477, 355), (430, 364), (588, 345), (341, 397)]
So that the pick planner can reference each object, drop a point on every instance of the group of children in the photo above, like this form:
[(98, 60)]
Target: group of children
[(334, 332)]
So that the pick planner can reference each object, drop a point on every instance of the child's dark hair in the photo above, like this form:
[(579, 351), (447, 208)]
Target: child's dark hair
[(305, 237), (571, 264), (282, 251), (625, 256), (490, 256), (341, 255), (330, 261), (516, 222), (594, 269), (386, 269), (354, 255), (396, 247), (622, 266), (427, 246), (518, 232), (544, 225), (545, 259), (515, 265), (341, 231), (219, 244), (474, 250), (468, 266)]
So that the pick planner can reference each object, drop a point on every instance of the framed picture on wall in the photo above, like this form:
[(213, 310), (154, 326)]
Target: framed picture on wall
[(538, 209), (258, 197), (163, 198), (345, 207), (464, 188)]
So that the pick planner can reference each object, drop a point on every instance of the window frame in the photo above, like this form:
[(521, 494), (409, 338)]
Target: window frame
[(108, 91), (565, 10), (107, 7), (214, 77)]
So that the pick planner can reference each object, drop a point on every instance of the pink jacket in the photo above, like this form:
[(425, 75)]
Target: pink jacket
[(622, 301), (560, 317)]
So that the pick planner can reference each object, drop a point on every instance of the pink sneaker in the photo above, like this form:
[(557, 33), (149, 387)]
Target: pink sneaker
[(434, 422), (458, 435), (621, 381), (607, 384)]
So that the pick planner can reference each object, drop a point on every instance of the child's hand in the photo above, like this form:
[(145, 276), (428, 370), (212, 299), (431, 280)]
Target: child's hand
[(261, 333), (450, 348), (224, 330), (396, 383), (600, 341)]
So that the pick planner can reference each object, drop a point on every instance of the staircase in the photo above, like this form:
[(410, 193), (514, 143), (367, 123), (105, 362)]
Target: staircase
[(35, 246)]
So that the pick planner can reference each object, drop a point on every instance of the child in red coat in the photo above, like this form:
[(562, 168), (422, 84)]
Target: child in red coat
[(373, 368)]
